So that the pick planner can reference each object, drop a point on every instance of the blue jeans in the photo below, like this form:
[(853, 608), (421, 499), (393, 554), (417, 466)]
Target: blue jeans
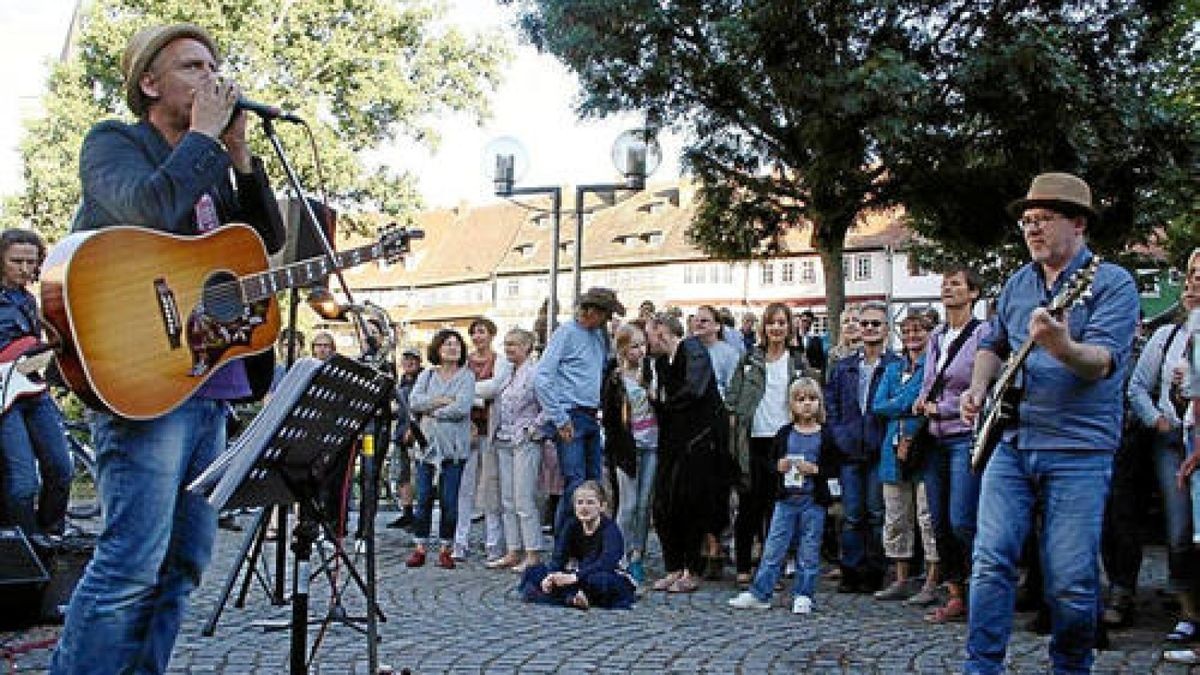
[(953, 493), (156, 542), (1177, 510), (633, 516), (37, 465), (792, 516), (579, 460), (448, 486), (1070, 489), (862, 527)]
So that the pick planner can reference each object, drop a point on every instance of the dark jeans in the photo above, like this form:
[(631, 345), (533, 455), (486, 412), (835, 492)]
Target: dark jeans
[(1125, 513), (755, 503), (862, 527), (37, 465), (953, 494), (581, 459), (448, 485)]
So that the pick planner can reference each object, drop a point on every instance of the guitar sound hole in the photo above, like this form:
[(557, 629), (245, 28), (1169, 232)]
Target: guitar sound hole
[(223, 297)]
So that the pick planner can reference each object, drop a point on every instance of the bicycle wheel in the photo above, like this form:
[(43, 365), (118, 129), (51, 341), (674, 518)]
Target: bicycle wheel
[(84, 502)]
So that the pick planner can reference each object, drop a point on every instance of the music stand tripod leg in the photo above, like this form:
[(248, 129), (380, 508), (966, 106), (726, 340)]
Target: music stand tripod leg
[(253, 539)]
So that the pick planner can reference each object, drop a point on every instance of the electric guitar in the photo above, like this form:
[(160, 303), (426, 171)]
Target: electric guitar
[(16, 366), (145, 317), (999, 409)]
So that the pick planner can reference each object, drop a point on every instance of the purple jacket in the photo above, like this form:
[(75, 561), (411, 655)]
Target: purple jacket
[(958, 379)]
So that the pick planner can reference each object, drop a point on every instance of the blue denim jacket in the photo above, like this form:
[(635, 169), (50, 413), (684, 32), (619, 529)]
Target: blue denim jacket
[(132, 176), (857, 433), (1059, 410), (18, 315), (894, 402)]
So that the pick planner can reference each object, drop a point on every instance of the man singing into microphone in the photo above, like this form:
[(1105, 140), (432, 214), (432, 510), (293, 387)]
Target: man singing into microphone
[(184, 167)]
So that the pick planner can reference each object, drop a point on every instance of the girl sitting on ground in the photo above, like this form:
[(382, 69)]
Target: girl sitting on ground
[(803, 456), (583, 571)]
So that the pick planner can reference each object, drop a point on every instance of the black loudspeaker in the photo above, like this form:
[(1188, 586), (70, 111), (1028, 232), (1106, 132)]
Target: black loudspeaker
[(22, 580), (301, 241)]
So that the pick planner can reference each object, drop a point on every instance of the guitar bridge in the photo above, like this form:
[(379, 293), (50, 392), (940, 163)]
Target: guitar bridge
[(169, 312)]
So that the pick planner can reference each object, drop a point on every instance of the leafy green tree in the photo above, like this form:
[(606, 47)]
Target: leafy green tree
[(812, 113), (1098, 89), (781, 103), (363, 72)]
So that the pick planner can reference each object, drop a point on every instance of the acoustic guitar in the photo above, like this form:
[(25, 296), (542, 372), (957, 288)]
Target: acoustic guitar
[(145, 317), (999, 410)]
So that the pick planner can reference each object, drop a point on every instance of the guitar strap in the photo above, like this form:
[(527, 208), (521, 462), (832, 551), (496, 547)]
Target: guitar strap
[(939, 382)]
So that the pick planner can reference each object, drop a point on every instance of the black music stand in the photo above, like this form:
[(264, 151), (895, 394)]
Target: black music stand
[(286, 453)]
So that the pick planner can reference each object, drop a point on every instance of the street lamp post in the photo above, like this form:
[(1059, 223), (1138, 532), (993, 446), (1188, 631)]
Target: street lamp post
[(635, 153)]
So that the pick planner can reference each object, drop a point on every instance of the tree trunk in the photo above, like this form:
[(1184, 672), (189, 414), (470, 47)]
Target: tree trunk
[(830, 250)]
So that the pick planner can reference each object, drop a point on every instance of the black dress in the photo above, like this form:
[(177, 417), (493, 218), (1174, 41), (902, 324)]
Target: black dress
[(695, 471)]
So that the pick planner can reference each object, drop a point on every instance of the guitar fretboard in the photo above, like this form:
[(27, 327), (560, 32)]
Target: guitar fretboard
[(304, 272)]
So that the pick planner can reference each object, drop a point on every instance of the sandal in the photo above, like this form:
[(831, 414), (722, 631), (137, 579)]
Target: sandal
[(579, 601), (665, 583), (954, 611), (684, 585)]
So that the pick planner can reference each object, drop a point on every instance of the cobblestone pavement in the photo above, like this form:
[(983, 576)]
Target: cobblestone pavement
[(469, 620)]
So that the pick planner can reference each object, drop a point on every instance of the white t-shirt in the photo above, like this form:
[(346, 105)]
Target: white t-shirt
[(772, 411)]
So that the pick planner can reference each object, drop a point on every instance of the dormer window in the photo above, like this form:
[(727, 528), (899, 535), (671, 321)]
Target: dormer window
[(524, 250), (652, 208), (653, 238)]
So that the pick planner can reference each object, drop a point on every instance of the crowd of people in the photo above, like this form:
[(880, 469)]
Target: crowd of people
[(725, 441)]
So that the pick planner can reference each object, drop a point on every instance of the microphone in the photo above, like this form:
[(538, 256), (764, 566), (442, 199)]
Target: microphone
[(265, 111)]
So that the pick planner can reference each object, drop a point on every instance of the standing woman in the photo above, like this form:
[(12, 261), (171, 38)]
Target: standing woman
[(481, 475), (631, 440), (899, 471), (442, 395), (758, 402), (519, 455), (694, 473), (950, 486), (36, 463)]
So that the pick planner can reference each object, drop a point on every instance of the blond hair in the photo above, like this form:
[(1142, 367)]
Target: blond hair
[(807, 385)]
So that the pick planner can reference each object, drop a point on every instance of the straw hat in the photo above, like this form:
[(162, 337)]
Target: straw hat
[(144, 46), (1061, 192)]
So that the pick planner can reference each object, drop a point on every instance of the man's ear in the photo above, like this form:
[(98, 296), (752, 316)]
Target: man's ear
[(148, 85)]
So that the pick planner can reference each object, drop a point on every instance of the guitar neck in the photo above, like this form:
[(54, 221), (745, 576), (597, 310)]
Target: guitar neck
[(305, 272)]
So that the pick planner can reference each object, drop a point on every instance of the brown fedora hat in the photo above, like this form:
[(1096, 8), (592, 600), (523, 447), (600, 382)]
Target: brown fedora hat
[(602, 298), (144, 46), (1062, 192)]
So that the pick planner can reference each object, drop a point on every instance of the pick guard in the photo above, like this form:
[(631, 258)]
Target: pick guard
[(209, 338)]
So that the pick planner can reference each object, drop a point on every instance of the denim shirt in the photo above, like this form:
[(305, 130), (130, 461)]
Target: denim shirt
[(18, 315), (130, 175), (1060, 410), (570, 371)]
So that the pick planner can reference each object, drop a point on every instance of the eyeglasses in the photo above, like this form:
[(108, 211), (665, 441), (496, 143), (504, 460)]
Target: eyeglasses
[(870, 323), (1029, 222)]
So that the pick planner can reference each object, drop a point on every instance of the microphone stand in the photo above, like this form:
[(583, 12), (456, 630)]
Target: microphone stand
[(306, 529)]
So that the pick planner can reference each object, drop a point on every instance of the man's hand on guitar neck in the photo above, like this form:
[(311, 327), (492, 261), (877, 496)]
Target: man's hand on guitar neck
[(1089, 362)]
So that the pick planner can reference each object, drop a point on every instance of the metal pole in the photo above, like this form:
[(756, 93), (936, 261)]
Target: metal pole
[(555, 237), (577, 270)]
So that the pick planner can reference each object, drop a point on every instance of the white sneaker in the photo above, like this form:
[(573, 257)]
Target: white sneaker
[(802, 605), (746, 600)]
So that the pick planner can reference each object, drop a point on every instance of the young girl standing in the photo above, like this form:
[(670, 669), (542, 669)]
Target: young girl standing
[(802, 459), (631, 440)]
